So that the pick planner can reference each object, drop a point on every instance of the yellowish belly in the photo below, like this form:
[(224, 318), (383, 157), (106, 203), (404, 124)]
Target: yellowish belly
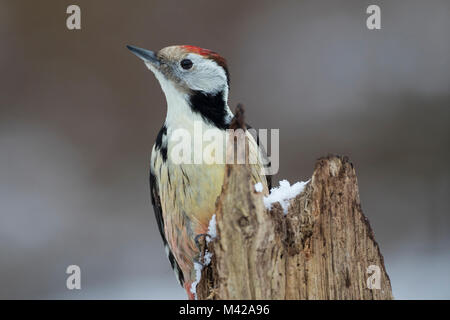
[(188, 194)]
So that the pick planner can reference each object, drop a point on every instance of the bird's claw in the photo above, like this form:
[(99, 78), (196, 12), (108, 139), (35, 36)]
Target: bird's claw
[(201, 246)]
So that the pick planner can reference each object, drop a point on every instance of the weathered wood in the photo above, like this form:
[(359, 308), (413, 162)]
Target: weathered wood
[(320, 249), (332, 244)]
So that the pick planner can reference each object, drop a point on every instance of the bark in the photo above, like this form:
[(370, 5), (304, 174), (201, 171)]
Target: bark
[(321, 249)]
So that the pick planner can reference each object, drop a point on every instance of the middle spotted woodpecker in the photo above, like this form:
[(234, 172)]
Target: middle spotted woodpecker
[(195, 82)]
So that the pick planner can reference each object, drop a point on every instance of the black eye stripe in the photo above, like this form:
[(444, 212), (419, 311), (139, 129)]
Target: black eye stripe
[(186, 64)]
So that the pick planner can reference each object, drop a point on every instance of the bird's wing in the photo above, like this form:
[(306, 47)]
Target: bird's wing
[(264, 154), (156, 202)]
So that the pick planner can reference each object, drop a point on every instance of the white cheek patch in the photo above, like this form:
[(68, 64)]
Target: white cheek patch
[(206, 75)]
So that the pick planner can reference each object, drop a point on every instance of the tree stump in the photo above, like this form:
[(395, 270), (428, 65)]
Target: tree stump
[(323, 248)]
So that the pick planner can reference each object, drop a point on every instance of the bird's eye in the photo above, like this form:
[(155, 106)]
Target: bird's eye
[(186, 64)]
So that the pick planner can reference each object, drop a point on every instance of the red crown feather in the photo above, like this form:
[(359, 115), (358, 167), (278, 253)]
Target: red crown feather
[(208, 54)]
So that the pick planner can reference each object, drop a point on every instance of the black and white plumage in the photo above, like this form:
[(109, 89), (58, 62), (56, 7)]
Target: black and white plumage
[(195, 82)]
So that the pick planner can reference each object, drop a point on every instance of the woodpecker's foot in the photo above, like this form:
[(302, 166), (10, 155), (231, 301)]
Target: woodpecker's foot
[(200, 242)]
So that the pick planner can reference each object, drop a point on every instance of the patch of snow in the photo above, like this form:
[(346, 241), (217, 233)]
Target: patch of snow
[(207, 258), (212, 230), (259, 187), (198, 275), (283, 194), (198, 267)]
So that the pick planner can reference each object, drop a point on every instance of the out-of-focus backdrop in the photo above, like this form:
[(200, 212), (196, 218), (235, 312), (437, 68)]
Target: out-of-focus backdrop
[(79, 114)]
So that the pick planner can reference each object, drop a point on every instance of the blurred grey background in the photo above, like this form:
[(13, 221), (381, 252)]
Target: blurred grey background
[(79, 114)]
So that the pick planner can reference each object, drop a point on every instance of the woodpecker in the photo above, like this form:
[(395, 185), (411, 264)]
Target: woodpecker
[(195, 83)]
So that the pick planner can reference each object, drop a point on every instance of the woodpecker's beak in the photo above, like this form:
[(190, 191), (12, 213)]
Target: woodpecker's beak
[(146, 55)]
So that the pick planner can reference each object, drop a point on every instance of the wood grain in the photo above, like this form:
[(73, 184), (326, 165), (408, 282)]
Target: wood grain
[(320, 249)]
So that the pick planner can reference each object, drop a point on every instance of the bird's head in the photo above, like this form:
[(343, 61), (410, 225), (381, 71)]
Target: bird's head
[(198, 76), (187, 68)]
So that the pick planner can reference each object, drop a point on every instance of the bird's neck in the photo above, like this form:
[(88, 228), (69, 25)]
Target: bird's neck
[(184, 109)]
